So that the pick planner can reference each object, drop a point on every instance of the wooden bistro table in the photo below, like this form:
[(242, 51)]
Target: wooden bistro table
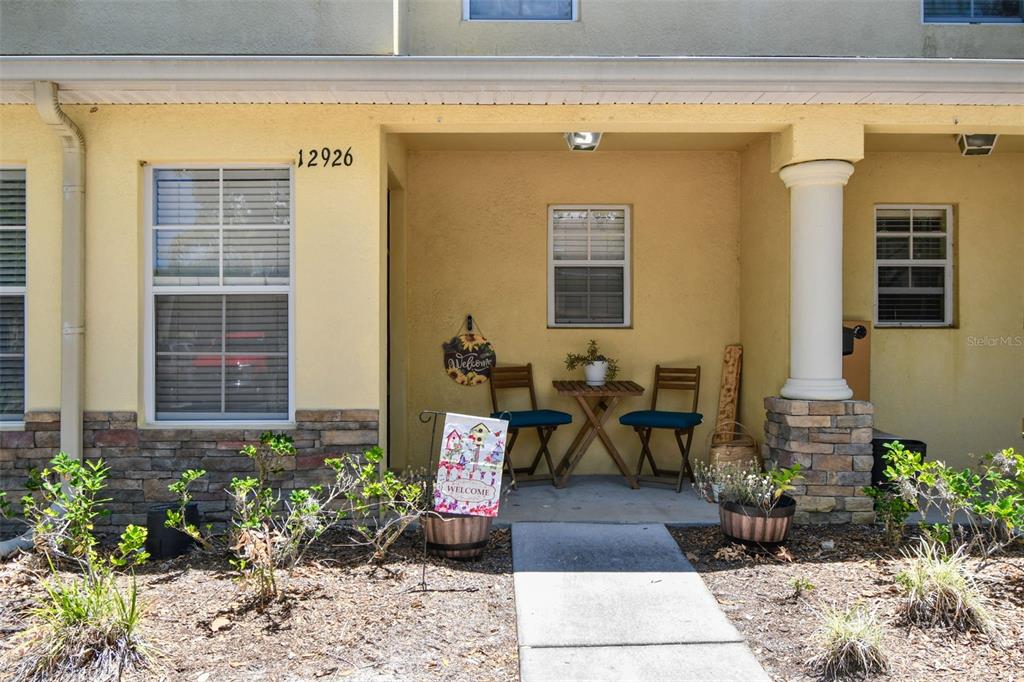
[(597, 403)]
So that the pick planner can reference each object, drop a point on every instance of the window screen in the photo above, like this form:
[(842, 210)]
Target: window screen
[(12, 294), (221, 282), (913, 261), (520, 10), (589, 267)]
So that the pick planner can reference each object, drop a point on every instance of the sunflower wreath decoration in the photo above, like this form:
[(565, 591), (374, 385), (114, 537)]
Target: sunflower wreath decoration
[(468, 358)]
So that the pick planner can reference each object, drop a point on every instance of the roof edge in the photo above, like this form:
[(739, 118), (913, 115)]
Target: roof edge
[(787, 73)]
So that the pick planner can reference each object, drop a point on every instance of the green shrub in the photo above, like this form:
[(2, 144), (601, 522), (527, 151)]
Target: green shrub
[(989, 500), (63, 506), (891, 509), (182, 489), (86, 625), (385, 504), (268, 534), (938, 590), (850, 643)]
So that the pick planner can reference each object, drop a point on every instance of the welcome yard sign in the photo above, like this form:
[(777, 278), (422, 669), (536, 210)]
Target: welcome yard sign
[(469, 469)]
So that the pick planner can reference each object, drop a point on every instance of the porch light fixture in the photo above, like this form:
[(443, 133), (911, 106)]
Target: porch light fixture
[(976, 144), (583, 142)]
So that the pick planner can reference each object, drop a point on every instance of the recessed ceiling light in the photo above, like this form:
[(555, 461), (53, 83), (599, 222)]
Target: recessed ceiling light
[(583, 142), (976, 144)]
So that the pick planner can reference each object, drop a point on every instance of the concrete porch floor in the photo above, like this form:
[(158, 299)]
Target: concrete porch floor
[(605, 499)]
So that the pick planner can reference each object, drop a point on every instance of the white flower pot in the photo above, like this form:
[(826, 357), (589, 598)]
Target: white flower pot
[(595, 372)]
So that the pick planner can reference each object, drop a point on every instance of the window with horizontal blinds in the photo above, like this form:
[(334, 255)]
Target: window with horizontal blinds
[(221, 288), (589, 266), (221, 355), (12, 294), (520, 10), (913, 265), (973, 11)]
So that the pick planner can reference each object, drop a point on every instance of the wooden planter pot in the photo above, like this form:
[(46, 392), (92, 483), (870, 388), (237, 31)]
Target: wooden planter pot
[(456, 536), (753, 525)]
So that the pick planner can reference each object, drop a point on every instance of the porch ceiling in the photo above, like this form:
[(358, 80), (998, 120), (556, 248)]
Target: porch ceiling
[(667, 142), (610, 142), (934, 143)]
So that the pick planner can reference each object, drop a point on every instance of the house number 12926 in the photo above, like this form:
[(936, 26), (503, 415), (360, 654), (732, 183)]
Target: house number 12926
[(325, 157)]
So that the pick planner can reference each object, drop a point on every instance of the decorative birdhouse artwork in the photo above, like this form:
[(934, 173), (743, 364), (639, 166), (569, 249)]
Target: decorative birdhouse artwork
[(470, 467), (453, 441), (478, 434)]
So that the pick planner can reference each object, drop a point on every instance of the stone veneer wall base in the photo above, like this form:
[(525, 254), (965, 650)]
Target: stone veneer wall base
[(831, 440), (144, 461)]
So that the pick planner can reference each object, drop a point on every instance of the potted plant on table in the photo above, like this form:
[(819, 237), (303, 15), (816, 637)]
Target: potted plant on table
[(753, 507), (597, 367)]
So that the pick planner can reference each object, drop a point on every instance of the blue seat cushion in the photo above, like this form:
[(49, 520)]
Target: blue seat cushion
[(526, 418), (658, 419)]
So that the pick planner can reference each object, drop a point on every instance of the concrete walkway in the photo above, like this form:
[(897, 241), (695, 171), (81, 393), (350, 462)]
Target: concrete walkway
[(618, 602), (606, 499)]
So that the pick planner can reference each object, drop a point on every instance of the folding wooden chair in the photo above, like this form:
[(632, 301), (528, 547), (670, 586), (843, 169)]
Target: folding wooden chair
[(545, 421), (644, 422)]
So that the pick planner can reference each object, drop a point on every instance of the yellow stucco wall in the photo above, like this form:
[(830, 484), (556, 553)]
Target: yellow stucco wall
[(956, 395), (26, 142), (764, 284), (337, 239), (477, 231), (961, 390), (396, 438)]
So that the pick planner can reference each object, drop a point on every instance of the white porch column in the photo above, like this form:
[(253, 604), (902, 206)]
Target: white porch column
[(816, 280)]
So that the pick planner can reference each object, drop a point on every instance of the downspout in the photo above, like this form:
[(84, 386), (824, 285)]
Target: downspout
[(72, 260), (72, 287)]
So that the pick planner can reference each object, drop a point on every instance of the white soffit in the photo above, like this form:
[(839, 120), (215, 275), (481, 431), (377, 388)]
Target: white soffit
[(515, 80)]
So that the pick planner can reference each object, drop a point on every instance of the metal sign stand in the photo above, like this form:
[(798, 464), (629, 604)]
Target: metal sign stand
[(428, 417)]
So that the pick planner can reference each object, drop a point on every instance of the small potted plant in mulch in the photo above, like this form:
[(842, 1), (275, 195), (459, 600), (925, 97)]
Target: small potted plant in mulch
[(752, 505), (597, 367)]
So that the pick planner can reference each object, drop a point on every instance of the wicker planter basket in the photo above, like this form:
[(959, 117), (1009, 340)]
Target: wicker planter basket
[(732, 443), (753, 525), (456, 536)]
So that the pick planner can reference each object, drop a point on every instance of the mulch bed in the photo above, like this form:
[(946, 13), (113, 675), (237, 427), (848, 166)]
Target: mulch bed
[(752, 587), (344, 619)]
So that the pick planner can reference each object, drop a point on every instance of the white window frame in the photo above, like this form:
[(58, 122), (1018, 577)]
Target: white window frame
[(151, 291), (626, 264), (947, 263), (967, 19), (575, 17), (19, 424)]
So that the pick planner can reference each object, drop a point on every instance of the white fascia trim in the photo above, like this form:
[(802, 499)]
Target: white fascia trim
[(780, 74)]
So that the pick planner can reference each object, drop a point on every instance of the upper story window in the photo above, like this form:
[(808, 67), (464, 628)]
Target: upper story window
[(12, 294), (973, 11), (219, 299), (519, 10), (589, 266), (914, 266)]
